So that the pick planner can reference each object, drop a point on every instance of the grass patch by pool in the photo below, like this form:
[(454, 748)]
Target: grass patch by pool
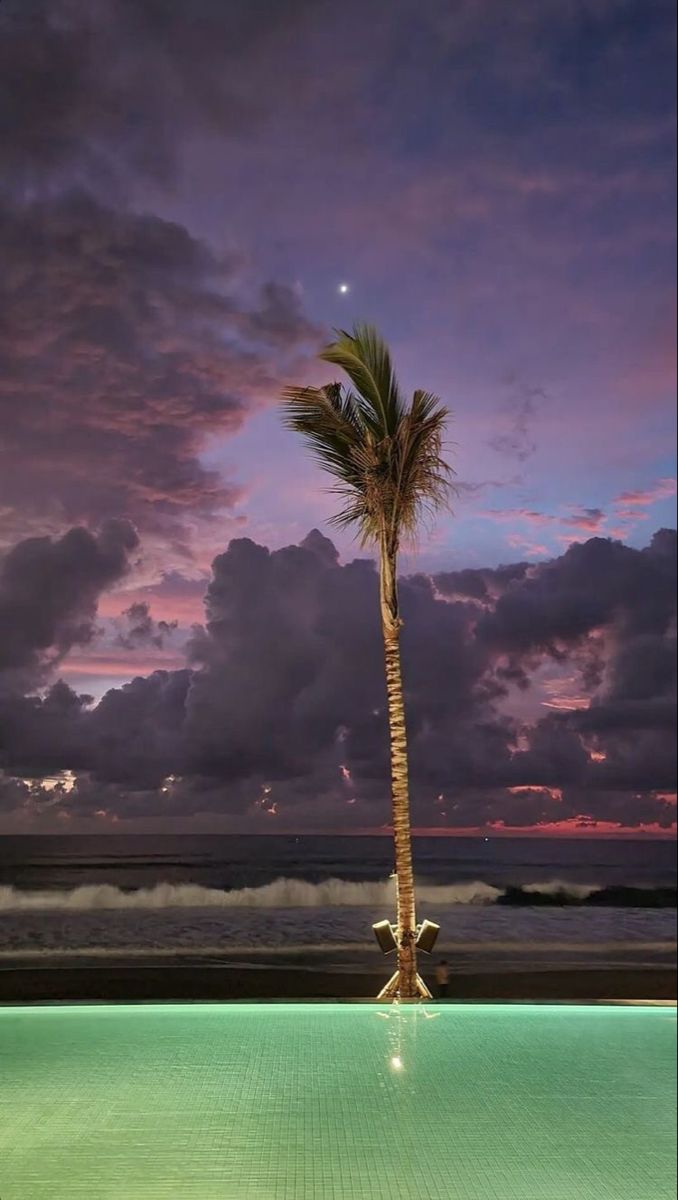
[(337, 1102)]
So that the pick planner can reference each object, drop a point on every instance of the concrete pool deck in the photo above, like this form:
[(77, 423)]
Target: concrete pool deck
[(337, 1102), (169, 980)]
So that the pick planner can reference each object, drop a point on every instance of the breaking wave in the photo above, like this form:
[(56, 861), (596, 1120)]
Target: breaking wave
[(329, 893), (281, 893)]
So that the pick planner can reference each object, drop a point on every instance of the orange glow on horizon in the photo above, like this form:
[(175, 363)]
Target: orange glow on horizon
[(569, 828), (524, 789)]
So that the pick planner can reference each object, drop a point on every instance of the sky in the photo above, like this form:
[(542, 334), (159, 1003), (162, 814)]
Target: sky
[(191, 199)]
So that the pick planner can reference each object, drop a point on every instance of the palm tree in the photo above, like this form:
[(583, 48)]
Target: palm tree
[(386, 458)]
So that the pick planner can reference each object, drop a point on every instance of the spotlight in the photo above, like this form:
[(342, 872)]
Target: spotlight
[(383, 932), (426, 936)]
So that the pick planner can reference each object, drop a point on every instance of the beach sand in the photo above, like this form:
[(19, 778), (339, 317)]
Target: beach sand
[(227, 982)]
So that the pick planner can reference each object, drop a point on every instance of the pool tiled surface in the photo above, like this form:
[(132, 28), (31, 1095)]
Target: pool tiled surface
[(337, 1102)]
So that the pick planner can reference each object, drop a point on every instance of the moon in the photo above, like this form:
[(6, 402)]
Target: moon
[(343, 289)]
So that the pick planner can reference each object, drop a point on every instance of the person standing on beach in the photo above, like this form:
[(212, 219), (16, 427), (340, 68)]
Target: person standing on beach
[(442, 974)]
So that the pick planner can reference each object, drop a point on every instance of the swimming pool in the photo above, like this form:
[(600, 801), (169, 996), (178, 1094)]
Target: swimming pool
[(337, 1102)]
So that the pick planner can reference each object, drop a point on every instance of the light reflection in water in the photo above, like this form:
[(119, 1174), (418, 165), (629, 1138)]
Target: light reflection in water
[(404, 1022)]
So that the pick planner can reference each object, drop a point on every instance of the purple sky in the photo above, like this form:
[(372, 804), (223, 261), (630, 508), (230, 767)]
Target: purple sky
[(184, 191)]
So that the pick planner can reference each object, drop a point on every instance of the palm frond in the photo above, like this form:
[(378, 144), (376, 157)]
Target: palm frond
[(424, 478), (386, 457), (329, 423), (365, 358)]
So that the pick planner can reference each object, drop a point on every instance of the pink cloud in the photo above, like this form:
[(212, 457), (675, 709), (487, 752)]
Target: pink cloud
[(125, 667), (588, 520), (173, 597), (627, 502), (528, 515), (531, 549), (561, 695)]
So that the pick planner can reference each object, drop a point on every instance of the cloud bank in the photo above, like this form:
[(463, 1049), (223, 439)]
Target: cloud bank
[(278, 718)]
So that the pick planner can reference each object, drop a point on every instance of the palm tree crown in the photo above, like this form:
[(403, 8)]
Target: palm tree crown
[(386, 455)]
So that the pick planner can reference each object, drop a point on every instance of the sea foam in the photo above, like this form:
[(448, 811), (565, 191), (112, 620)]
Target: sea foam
[(281, 893)]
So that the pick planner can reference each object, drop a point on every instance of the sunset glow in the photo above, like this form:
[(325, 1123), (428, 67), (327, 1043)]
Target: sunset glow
[(182, 228)]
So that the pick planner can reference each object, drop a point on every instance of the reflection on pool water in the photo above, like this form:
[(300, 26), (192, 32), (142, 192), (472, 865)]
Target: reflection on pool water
[(337, 1102)]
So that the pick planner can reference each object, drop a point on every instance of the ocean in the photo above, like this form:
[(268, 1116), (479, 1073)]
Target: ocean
[(502, 903)]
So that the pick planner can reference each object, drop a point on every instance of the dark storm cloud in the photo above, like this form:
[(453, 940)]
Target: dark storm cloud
[(124, 342), (96, 74), (122, 347), (478, 583), (97, 87), (141, 629), (49, 592), (14, 794), (39, 734), (596, 583), (282, 714)]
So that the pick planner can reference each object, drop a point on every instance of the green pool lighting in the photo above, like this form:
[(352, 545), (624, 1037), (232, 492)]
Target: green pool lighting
[(337, 1102)]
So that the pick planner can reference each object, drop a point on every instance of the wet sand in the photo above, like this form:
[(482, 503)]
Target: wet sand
[(223, 983)]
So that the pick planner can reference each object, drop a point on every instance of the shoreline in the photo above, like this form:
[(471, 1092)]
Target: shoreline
[(143, 984)]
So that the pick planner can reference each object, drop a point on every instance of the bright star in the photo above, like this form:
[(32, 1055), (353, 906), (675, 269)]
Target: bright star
[(342, 289)]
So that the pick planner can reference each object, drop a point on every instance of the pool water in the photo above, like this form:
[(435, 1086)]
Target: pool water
[(337, 1102)]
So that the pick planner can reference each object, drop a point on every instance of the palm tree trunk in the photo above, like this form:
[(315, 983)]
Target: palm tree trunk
[(400, 799)]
